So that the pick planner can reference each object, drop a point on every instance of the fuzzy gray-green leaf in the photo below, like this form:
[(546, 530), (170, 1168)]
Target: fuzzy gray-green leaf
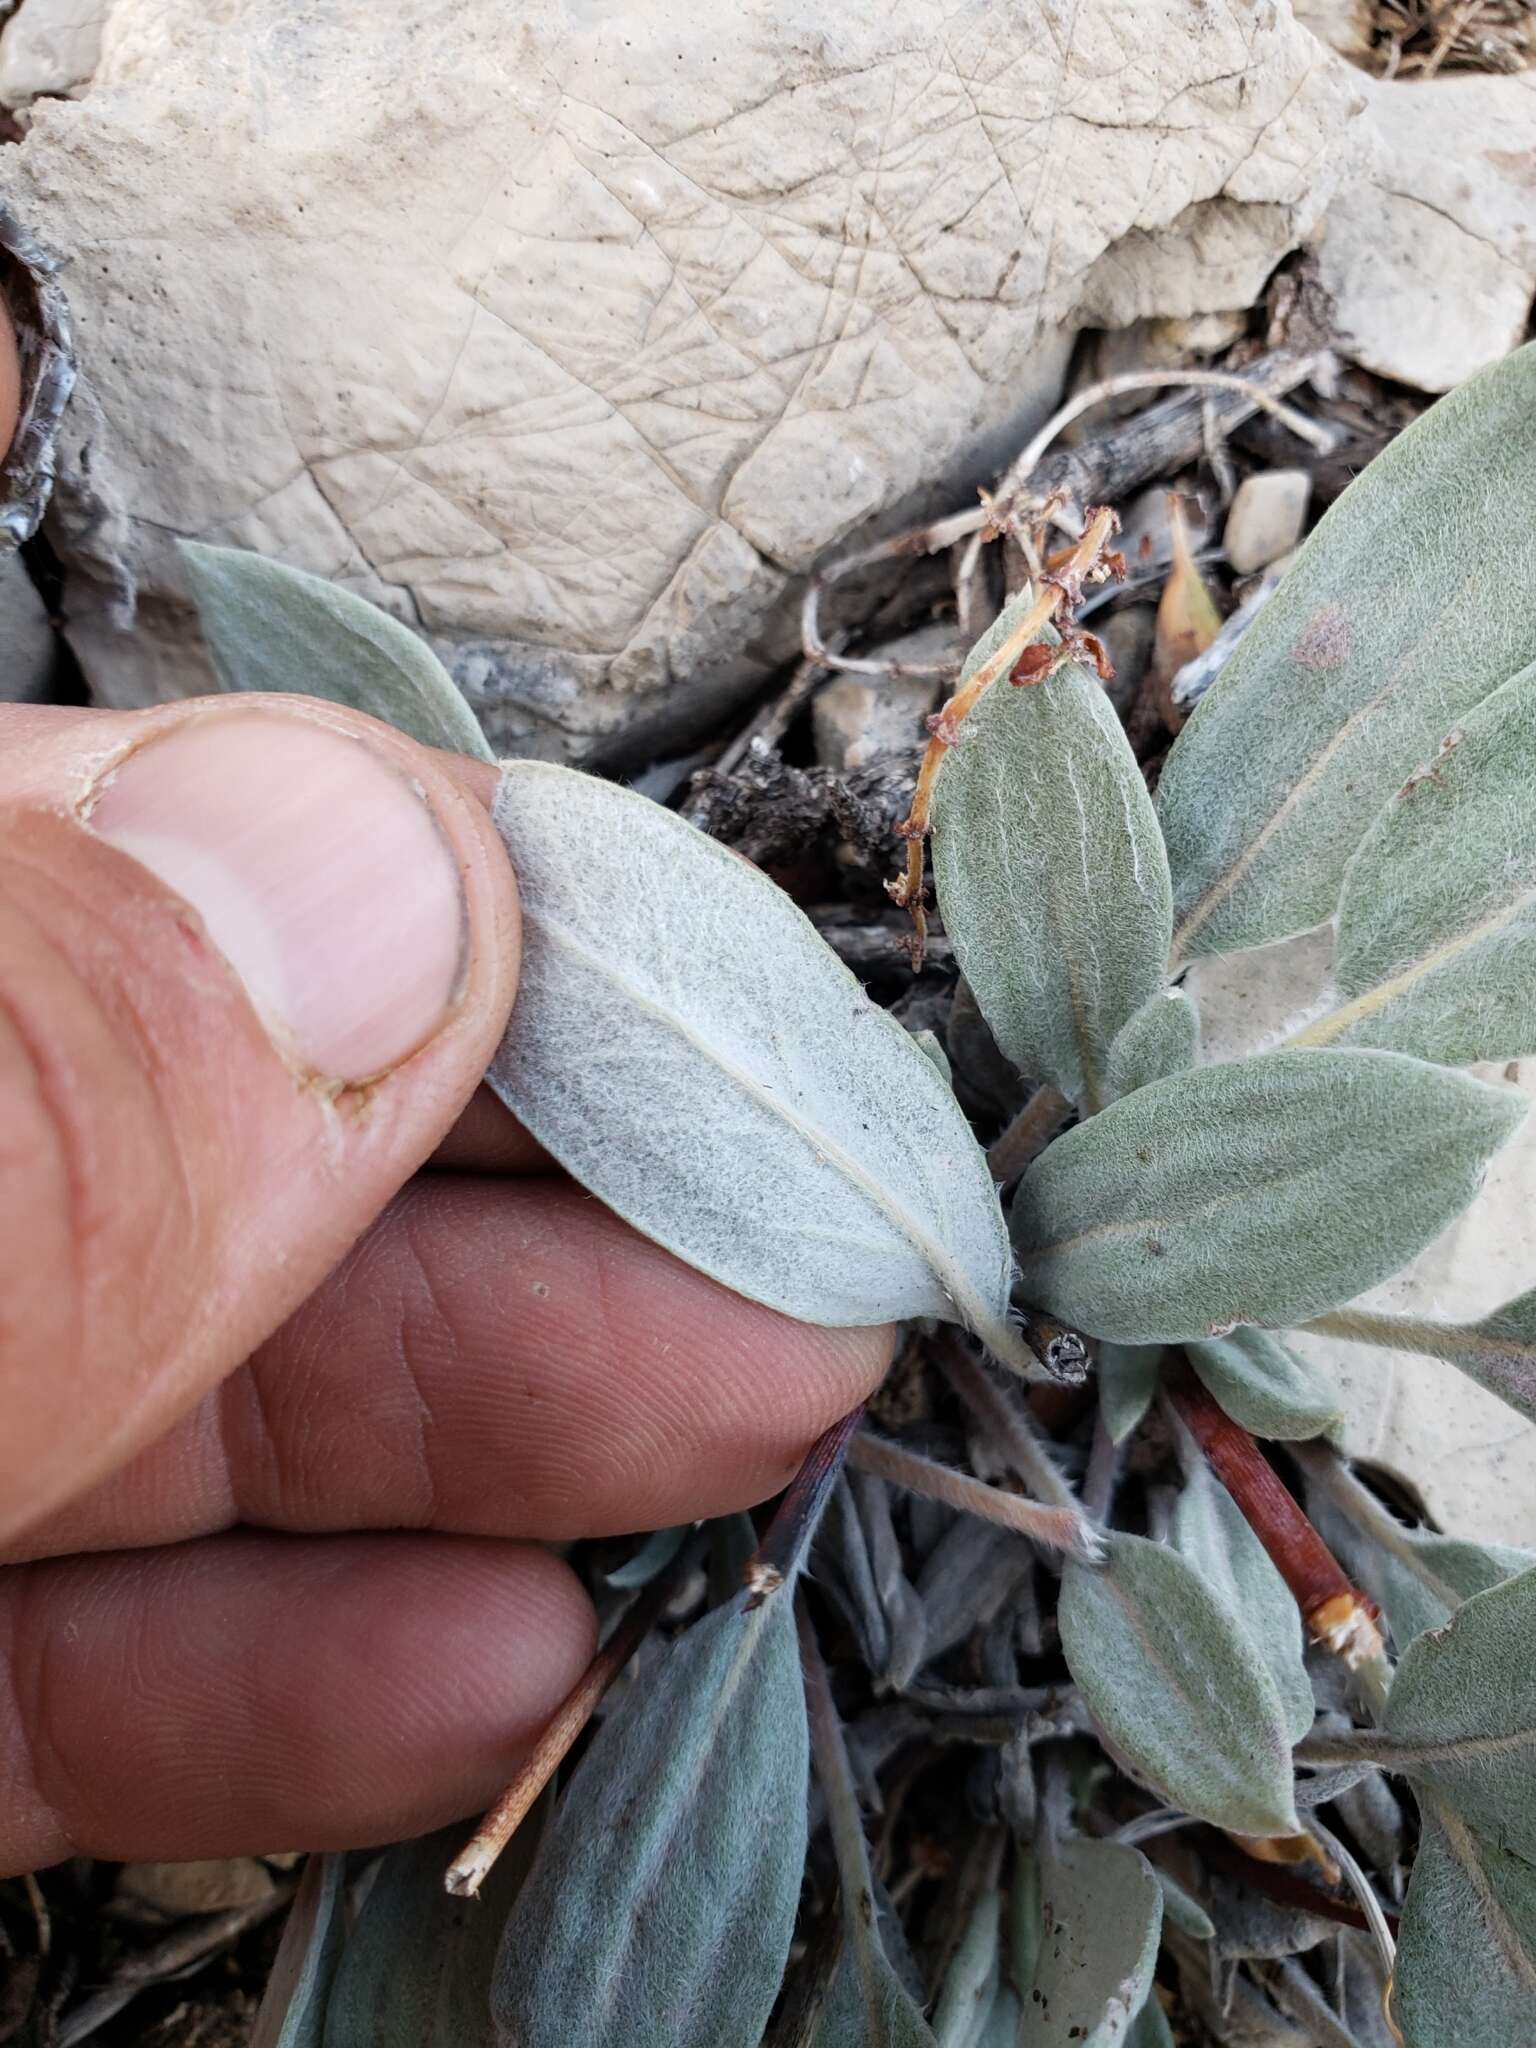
[(1436, 951), (1051, 874), (1415, 1600), (1461, 1715), (1262, 1191), (1151, 2028), (1103, 1915), (970, 1984), (1466, 1955), (1266, 1386), (660, 1910), (1499, 1352), (687, 1046), (269, 627), (1162, 1038), (1181, 1910), (292, 2011), (1128, 1376), (416, 1970), (1212, 1532), (1407, 606), (1171, 1677), (868, 2006)]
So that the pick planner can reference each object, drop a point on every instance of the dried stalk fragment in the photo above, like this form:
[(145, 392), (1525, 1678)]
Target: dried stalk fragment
[(1087, 561)]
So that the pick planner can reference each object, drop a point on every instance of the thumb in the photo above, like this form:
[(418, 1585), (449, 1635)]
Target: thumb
[(255, 954)]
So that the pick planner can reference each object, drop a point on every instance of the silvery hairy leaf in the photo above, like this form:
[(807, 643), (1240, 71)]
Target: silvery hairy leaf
[(1249, 1925), (868, 2006), (1162, 1038), (973, 1570), (1406, 606), (971, 1982), (1450, 1570), (1211, 1531), (292, 2011), (690, 1050), (1499, 1352), (269, 627), (1172, 1678), (1466, 1950), (1150, 2028), (650, 1560), (1259, 1192), (1181, 1910), (1001, 2029), (1461, 1715), (858, 1561), (929, 1046), (1268, 1388), (1128, 1376), (1102, 1915), (659, 1911), (1436, 950), (416, 1970), (1050, 871)]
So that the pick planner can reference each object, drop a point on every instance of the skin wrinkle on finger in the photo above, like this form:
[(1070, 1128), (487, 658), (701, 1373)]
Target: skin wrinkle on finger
[(578, 1379), (227, 1696)]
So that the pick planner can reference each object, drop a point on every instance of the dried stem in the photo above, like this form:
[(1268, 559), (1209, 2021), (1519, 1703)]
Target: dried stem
[(1055, 1528), (1086, 559), (1103, 1472), (1005, 1428), (1028, 459), (782, 1550), (1326, 1469), (1360, 1885), (1028, 1135), (1155, 443), (475, 1861), (1335, 1613)]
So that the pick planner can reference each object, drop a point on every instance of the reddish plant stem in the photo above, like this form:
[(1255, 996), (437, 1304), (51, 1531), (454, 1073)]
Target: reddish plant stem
[(1334, 1610), (475, 1861), (778, 1556)]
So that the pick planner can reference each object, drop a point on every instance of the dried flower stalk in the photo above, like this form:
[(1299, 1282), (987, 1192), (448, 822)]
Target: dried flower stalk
[(1022, 664)]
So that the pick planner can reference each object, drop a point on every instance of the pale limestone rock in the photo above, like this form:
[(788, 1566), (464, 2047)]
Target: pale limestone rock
[(1471, 1458), (176, 1889), (50, 46), (26, 638), (1266, 518), (574, 332), (1429, 253), (858, 720)]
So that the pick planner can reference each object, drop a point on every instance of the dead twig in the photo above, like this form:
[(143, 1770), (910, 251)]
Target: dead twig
[(1064, 1528), (1017, 659), (1156, 443), (476, 1860)]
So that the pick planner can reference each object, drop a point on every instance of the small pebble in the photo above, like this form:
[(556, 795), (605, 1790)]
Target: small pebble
[(1266, 518)]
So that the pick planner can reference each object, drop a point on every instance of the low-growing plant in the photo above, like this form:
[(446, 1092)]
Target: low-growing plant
[(689, 1049)]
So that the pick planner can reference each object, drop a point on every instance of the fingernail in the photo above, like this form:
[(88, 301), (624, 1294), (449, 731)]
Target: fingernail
[(319, 871)]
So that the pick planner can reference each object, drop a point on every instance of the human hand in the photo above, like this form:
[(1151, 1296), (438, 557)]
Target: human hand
[(303, 1345)]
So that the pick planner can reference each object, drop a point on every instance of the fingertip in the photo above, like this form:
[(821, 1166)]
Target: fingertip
[(249, 1693)]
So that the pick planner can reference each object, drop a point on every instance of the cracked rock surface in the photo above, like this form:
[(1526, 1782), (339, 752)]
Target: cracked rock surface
[(1429, 253), (574, 332)]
